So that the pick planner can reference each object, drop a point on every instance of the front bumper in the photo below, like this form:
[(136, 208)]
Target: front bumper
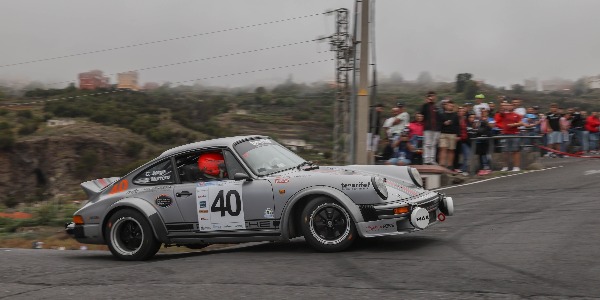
[(87, 233), (434, 211)]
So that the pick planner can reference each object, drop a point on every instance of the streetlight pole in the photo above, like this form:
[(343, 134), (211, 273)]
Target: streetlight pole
[(362, 101)]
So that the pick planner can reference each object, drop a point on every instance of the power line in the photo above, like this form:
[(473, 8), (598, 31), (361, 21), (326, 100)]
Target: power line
[(161, 41), (208, 58), (177, 82)]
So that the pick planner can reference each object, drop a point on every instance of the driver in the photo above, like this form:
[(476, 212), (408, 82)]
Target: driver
[(212, 165)]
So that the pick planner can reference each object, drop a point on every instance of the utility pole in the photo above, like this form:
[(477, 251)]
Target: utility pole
[(362, 102), (341, 45)]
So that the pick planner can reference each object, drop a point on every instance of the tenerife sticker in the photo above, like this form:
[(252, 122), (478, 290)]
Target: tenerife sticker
[(269, 213), (164, 201)]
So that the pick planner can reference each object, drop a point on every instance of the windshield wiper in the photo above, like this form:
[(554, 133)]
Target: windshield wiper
[(310, 164)]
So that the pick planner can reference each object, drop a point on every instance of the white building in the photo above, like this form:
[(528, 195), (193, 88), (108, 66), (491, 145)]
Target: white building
[(593, 82)]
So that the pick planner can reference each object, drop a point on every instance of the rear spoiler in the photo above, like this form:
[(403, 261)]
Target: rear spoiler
[(94, 187)]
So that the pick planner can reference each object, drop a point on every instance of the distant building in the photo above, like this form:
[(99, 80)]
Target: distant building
[(128, 81), (530, 85), (593, 82), (92, 80), (58, 122), (557, 84)]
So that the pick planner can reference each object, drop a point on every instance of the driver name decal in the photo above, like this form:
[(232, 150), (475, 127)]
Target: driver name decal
[(220, 207)]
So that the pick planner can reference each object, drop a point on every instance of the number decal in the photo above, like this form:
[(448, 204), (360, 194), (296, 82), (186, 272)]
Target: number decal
[(119, 187), (224, 204), (226, 210)]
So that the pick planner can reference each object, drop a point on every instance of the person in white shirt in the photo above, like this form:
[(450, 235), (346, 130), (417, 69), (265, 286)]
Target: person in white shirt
[(480, 105), (519, 109), (402, 120)]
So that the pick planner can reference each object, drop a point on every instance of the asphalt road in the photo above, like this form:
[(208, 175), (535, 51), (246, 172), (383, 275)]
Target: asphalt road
[(533, 235)]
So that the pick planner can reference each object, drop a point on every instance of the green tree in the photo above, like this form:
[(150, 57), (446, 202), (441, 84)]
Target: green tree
[(517, 88), (471, 89), (424, 78), (461, 81)]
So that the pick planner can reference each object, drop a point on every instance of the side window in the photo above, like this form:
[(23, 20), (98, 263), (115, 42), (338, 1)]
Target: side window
[(201, 166), (160, 173), (233, 165)]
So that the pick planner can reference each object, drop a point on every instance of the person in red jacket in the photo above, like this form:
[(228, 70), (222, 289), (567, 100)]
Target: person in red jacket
[(591, 124), (509, 122)]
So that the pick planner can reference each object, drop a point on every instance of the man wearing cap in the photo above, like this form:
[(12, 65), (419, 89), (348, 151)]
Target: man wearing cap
[(431, 133), (480, 105)]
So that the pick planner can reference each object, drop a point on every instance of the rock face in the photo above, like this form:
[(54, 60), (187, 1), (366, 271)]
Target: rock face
[(43, 168)]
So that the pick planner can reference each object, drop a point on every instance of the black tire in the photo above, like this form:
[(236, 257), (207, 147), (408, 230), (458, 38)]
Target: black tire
[(327, 226), (129, 236)]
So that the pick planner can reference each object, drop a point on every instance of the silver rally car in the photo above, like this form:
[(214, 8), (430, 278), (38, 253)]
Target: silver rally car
[(250, 188)]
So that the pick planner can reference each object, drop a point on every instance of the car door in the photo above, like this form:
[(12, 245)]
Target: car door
[(222, 203)]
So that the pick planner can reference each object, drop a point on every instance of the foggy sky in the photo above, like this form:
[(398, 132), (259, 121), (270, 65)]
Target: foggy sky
[(499, 41)]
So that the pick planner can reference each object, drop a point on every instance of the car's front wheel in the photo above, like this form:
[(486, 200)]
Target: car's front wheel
[(130, 237), (327, 226)]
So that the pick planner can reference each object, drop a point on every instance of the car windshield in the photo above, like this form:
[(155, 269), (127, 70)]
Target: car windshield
[(266, 156)]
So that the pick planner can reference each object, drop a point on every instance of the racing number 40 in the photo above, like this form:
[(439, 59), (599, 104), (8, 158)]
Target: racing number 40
[(223, 204)]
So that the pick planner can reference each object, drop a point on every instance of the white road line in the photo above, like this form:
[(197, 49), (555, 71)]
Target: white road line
[(493, 178)]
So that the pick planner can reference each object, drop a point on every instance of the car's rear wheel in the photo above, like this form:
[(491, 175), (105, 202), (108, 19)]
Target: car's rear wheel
[(327, 226), (129, 236)]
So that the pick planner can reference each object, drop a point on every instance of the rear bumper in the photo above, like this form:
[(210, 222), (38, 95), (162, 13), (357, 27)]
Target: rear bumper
[(86, 234)]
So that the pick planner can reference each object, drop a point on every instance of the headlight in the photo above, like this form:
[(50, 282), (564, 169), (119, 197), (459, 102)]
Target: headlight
[(380, 187), (415, 176)]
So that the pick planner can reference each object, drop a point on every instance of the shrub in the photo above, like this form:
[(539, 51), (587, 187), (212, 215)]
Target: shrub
[(25, 114), (7, 139), (133, 149)]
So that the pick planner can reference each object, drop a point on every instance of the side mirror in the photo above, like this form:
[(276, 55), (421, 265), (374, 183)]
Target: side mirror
[(241, 176)]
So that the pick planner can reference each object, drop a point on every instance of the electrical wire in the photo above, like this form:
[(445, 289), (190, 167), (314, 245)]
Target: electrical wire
[(177, 82), (160, 41), (204, 59)]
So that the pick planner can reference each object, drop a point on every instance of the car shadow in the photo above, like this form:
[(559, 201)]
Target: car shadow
[(406, 243)]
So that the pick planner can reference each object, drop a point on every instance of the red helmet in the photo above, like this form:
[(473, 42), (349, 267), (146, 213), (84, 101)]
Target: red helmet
[(208, 163)]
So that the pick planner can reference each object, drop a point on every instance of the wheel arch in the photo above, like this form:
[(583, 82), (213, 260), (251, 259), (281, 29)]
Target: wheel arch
[(293, 209), (156, 223)]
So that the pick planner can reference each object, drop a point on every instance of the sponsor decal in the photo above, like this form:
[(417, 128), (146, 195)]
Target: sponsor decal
[(356, 186), (164, 201), (205, 228), (269, 213), (94, 218), (149, 189), (202, 204), (239, 226), (216, 226), (423, 218), (203, 211), (281, 192), (207, 183), (384, 227), (282, 180), (261, 142), (203, 219)]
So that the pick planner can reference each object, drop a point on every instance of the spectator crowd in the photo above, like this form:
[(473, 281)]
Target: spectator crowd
[(442, 133)]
